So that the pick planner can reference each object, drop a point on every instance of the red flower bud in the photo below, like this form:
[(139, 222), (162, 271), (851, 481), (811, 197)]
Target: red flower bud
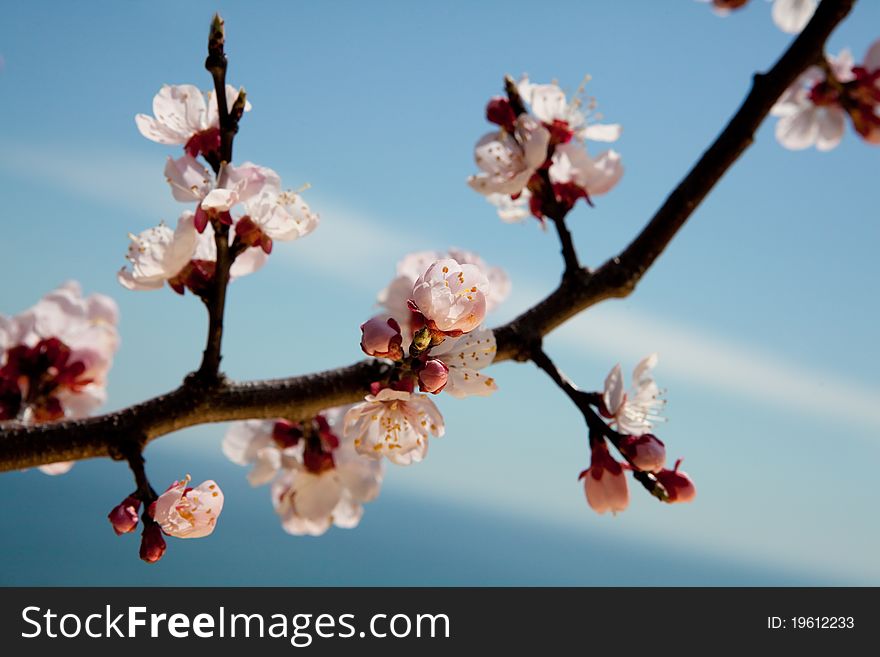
[(124, 517), (499, 112), (678, 485), (152, 543)]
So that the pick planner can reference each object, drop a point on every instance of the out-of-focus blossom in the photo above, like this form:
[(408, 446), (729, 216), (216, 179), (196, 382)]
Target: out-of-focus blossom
[(790, 16), (318, 478), (633, 413), (810, 112), (55, 357)]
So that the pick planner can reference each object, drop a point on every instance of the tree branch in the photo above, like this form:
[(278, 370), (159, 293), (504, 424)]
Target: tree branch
[(301, 397)]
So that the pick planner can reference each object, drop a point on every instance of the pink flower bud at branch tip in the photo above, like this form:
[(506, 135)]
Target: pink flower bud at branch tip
[(124, 517), (433, 376), (605, 482), (645, 452), (679, 486), (152, 543), (381, 338)]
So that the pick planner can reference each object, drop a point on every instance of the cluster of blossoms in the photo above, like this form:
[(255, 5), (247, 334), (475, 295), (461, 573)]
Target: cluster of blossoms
[(317, 478), (322, 471), (536, 162), (55, 357), (813, 110), (632, 417), (181, 511), (247, 197), (789, 15), (431, 329)]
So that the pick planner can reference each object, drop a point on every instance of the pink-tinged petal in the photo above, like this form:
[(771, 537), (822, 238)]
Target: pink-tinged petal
[(348, 513), (317, 495), (220, 200), (267, 463), (799, 130), (189, 180), (831, 126), (245, 439), (792, 16), (872, 57)]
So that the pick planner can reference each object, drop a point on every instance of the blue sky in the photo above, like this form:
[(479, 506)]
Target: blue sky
[(763, 309)]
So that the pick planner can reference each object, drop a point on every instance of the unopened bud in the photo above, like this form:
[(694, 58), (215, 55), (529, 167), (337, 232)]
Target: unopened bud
[(645, 452), (499, 112), (152, 543), (381, 338), (239, 105), (433, 376), (124, 517), (679, 486)]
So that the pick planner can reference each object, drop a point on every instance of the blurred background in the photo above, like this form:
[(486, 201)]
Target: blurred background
[(764, 309)]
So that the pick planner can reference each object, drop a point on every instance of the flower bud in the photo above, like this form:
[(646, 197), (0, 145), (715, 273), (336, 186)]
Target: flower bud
[(499, 112), (124, 517), (678, 485), (152, 543), (381, 338), (433, 376), (645, 452)]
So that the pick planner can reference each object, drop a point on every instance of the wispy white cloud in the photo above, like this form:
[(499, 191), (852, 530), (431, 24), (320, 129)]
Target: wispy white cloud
[(360, 251)]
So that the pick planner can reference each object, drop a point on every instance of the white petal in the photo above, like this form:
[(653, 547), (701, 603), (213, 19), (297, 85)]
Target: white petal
[(603, 131), (798, 130), (832, 124), (792, 15), (614, 394)]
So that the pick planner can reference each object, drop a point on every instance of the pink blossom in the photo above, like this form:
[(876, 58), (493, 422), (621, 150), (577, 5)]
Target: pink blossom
[(55, 358), (508, 159), (124, 516), (451, 297), (381, 338), (318, 479), (645, 452), (188, 512), (605, 482), (181, 116)]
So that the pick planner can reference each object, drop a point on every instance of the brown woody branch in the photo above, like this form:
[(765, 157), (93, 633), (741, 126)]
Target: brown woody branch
[(300, 397)]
